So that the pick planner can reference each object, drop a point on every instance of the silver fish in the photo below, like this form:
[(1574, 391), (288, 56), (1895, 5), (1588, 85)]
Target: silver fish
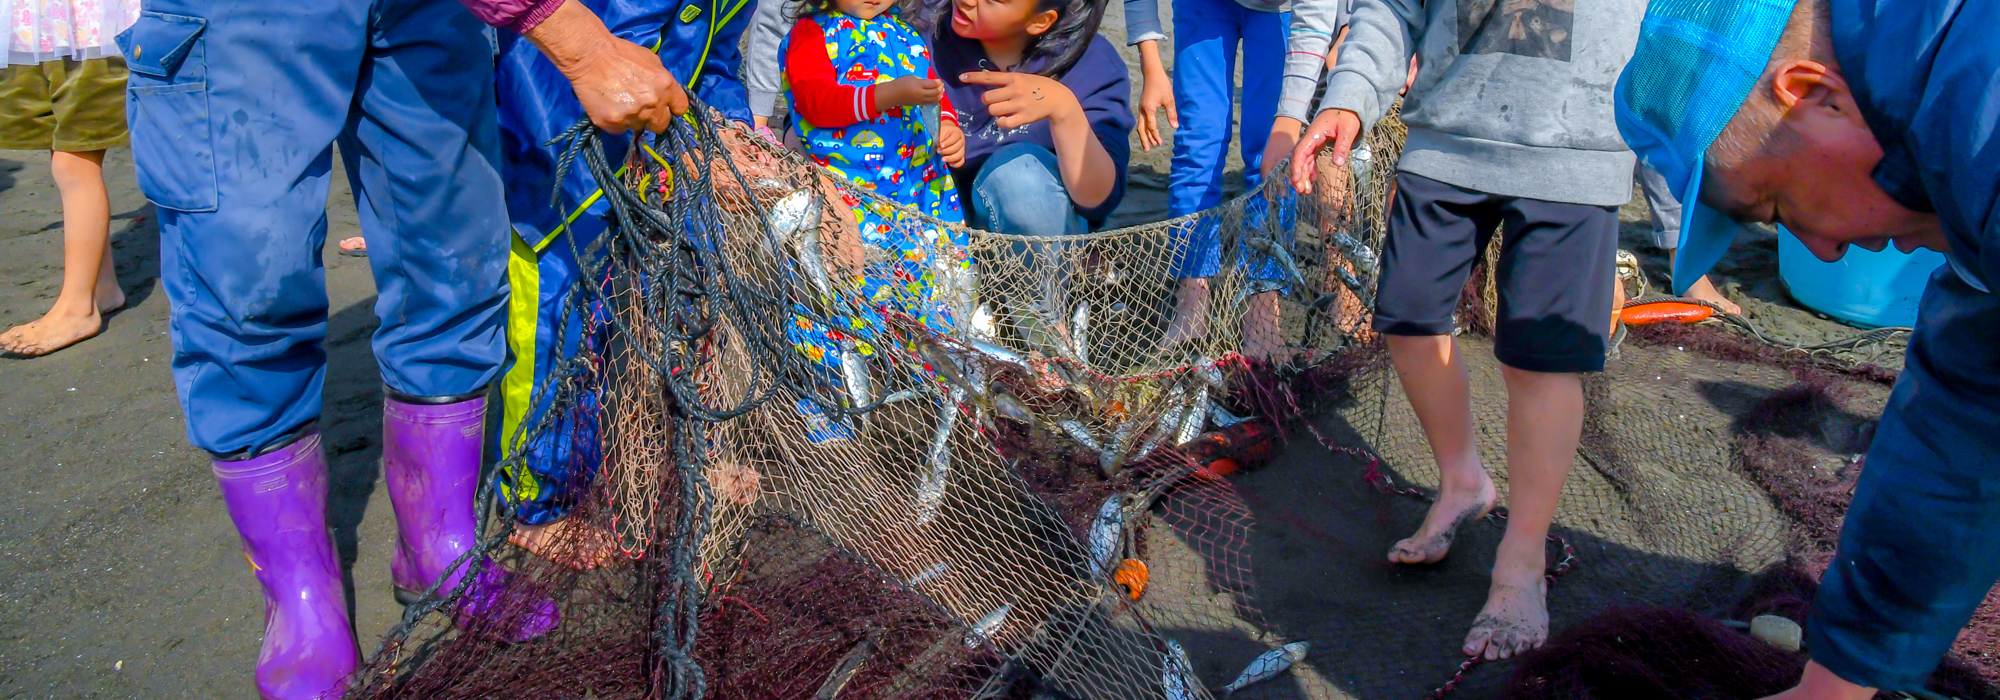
[(1354, 249), (838, 678), (1106, 534), (984, 326), (1176, 672), (1112, 459), (1211, 374), (1011, 408), (898, 397), (1268, 665), (930, 495), (1079, 332), (797, 217), (1222, 417), (1192, 423), (996, 353), (854, 376), (927, 575), (988, 625), (1075, 430), (1348, 280), (1266, 246)]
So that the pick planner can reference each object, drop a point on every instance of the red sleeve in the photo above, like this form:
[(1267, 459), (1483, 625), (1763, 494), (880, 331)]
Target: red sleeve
[(945, 112), (817, 93)]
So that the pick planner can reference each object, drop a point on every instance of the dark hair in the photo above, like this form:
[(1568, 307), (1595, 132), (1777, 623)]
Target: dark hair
[(801, 9), (1062, 45), (1065, 41)]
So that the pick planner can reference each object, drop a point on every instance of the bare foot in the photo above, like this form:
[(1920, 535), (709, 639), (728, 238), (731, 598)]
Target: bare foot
[(1452, 509), (566, 542), (353, 246), (53, 331), (1705, 290), (1515, 619), (1190, 313)]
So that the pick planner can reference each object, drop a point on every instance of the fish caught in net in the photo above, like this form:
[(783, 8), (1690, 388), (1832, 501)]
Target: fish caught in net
[(975, 465)]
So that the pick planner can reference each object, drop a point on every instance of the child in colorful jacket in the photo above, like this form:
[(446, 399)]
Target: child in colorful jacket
[(870, 108)]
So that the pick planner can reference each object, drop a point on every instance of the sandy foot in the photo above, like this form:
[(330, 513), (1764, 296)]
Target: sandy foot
[(1515, 619), (566, 542), (1452, 510), (1705, 290), (55, 331)]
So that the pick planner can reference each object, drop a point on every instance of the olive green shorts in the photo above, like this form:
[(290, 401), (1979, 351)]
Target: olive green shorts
[(65, 105)]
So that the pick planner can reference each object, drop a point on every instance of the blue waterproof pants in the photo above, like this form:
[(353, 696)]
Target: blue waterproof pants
[(1920, 547), (550, 319), (1207, 34), (235, 106)]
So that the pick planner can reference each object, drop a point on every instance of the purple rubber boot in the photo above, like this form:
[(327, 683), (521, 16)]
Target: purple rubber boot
[(430, 459), (278, 501)]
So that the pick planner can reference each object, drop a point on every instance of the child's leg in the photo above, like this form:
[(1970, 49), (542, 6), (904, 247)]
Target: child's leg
[(1264, 42), (90, 286), (1206, 35), (1557, 266), (1435, 233)]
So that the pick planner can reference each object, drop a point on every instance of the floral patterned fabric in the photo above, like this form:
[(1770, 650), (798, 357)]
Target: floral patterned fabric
[(39, 31)]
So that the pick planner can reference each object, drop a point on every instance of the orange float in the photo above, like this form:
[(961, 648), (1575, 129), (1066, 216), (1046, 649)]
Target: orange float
[(1214, 471), (1132, 574), (1665, 312)]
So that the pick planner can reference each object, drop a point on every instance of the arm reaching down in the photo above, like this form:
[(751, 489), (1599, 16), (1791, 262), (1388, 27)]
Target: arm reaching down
[(621, 84)]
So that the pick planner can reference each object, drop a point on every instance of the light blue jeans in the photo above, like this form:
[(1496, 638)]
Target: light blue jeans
[(1020, 191)]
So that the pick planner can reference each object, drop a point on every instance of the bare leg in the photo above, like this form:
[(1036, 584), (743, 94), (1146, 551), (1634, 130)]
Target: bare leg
[(1705, 290), (1544, 422), (90, 285), (1820, 684), (566, 542), (1434, 377), (1262, 337), (1190, 312)]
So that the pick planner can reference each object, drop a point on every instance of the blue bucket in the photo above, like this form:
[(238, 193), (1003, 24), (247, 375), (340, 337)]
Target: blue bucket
[(1865, 288)]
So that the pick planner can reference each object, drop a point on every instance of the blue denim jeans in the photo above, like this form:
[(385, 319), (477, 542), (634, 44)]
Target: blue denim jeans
[(1020, 191)]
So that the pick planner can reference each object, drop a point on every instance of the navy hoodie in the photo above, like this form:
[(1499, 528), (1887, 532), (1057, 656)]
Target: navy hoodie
[(1101, 85)]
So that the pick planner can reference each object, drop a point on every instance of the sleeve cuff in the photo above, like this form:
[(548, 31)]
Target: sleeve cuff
[(1349, 91), (534, 16), (1152, 34), (764, 103)]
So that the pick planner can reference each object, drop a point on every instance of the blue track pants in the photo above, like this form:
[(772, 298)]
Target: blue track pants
[(1207, 34), (235, 106)]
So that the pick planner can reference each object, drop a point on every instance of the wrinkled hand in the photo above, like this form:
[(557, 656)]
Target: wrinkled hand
[(1018, 99), (1157, 95), (621, 84), (1341, 127), (951, 143), (1284, 135), (907, 91)]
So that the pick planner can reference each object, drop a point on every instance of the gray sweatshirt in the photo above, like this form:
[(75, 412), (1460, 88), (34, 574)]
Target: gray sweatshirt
[(764, 36), (1513, 97)]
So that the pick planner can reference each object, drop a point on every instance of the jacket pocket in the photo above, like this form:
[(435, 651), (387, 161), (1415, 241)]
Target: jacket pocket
[(167, 103)]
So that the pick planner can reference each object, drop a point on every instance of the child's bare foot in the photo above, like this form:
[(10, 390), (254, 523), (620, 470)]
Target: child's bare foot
[(1705, 290), (353, 247), (1516, 616), (1190, 313), (566, 542), (53, 331), (1453, 508)]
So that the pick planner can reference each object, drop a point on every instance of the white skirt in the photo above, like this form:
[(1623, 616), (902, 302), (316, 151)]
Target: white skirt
[(39, 31)]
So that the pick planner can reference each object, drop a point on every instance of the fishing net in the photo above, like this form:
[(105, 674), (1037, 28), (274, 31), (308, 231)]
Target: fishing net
[(973, 465)]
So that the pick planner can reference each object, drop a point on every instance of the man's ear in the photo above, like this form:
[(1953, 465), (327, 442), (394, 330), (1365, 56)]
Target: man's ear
[(1042, 22), (1809, 82)]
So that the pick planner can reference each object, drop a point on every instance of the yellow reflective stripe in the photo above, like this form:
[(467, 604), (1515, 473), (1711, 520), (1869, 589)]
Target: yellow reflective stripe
[(517, 388), (658, 42)]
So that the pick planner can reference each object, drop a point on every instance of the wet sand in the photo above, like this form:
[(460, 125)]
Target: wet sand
[(114, 545)]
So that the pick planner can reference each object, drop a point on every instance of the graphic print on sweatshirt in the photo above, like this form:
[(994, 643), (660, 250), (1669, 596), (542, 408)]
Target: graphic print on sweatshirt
[(1532, 28)]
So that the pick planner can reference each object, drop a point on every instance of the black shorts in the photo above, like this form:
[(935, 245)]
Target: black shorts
[(1558, 263)]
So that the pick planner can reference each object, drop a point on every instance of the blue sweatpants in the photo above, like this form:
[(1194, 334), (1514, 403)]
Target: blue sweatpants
[(1207, 34), (235, 106), (1920, 547)]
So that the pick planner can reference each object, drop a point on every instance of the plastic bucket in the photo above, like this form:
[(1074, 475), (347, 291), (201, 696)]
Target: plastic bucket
[(1865, 288)]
